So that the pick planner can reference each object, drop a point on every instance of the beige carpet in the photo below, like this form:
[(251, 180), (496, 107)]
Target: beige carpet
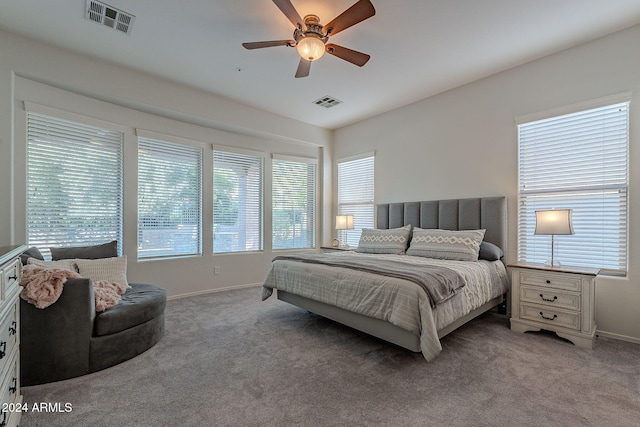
[(229, 359)]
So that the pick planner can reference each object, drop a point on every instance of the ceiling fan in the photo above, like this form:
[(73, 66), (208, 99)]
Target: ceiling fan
[(311, 42)]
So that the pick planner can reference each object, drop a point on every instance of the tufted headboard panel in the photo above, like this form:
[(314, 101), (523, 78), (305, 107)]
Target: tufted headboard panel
[(489, 213)]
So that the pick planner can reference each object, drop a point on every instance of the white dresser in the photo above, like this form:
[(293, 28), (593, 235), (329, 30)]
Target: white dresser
[(558, 299), (11, 399)]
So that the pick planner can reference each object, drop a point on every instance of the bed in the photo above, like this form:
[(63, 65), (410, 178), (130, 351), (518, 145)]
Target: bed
[(397, 306)]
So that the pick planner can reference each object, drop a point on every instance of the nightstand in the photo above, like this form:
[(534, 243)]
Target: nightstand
[(337, 248), (558, 299)]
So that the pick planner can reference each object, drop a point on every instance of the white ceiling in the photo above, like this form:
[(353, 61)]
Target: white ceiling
[(418, 48)]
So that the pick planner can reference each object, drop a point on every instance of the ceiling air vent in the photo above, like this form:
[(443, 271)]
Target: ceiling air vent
[(327, 102), (102, 13)]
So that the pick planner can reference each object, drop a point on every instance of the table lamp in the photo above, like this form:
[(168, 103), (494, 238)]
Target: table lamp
[(344, 222), (553, 222)]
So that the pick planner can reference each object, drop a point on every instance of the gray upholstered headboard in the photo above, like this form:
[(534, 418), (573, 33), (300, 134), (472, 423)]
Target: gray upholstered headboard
[(489, 213)]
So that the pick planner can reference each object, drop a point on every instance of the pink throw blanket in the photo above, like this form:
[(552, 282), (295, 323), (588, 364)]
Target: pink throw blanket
[(107, 294), (43, 286)]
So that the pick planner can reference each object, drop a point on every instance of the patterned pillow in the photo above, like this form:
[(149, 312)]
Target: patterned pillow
[(63, 264), (393, 241), (446, 244), (113, 270)]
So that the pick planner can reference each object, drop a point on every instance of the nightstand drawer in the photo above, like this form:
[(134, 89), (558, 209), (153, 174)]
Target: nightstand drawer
[(550, 297), (550, 316), (551, 280)]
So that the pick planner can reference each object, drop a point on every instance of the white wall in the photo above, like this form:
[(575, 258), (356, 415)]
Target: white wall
[(34, 72), (463, 143)]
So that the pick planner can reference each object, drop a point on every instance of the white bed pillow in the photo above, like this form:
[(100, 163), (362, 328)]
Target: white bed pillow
[(63, 264), (380, 241), (112, 270), (446, 244)]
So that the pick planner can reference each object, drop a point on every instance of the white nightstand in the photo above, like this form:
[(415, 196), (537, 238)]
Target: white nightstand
[(558, 299)]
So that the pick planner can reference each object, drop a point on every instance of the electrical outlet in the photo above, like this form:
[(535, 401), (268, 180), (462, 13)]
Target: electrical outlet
[(216, 270)]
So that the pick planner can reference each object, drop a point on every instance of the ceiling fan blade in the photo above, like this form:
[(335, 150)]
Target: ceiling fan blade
[(353, 56), (290, 12), (304, 67), (272, 43), (360, 11)]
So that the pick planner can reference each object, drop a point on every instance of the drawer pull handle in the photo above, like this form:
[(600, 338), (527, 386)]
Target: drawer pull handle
[(14, 277), (548, 299), (14, 385), (3, 423), (3, 349), (548, 318), (13, 328)]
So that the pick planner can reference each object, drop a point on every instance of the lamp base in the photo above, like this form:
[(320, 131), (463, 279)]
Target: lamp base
[(552, 263)]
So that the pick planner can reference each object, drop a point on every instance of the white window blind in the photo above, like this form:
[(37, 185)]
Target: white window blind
[(577, 161), (169, 199), (294, 203), (238, 212), (356, 196), (74, 184)]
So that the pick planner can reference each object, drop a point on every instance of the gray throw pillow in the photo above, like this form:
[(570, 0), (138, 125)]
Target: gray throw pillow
[(32, 252), (377, 241), (490, 252), (106, 250)]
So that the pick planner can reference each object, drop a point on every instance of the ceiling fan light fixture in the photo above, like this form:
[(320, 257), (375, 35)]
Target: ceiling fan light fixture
[(310, 47), (310, 37)]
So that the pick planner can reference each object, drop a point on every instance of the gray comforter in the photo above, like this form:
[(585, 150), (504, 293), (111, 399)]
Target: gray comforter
[(440, 283)]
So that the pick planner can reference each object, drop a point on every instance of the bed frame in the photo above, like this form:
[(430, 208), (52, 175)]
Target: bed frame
[(489, 213)]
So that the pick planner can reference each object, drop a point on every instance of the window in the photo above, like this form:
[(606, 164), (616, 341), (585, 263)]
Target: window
[(294, 203), (169, 198), (577, 161), (237, 202), (74, 183), (356, 196)]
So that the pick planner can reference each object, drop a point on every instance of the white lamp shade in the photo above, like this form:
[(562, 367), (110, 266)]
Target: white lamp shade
[(344, 222), (310, 48), (554, 221)]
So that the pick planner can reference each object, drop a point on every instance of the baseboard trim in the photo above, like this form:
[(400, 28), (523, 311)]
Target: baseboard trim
[(618, 337), (212, 291)]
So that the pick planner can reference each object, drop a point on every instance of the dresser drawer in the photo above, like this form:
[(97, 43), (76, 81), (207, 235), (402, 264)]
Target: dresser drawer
[(551, 280), (11, 276), (550, 316), (10, 383), (550, 297), (9, 333)]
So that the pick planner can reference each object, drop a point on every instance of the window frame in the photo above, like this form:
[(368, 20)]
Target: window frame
[(313, 202), (79, 121), (614, 194), (179, 144), (349, 207), (261, 196)]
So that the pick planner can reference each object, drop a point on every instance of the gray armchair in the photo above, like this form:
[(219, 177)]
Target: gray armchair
[(69, 339)]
